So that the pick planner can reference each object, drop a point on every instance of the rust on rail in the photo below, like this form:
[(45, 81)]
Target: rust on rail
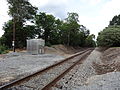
[(52, 83), (28, 77)]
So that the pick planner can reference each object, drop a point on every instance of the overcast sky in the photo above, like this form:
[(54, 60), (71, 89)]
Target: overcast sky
[(94, 14)]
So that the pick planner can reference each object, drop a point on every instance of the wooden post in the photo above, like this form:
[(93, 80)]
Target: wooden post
[(13, 42)]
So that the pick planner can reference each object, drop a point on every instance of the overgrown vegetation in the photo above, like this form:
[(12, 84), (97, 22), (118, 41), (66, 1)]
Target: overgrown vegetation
[(3, 50), (110, 36), (53, 30)]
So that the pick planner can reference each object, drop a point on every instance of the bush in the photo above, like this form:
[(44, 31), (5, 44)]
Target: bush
[(3, 49), (89, 42), (48, 44), (109, 37)]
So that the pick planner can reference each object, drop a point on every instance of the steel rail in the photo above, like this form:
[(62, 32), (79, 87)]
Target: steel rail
[(28, 77), (52, 83)]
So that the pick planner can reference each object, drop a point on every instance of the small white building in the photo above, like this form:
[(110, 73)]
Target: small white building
[(35, 46)]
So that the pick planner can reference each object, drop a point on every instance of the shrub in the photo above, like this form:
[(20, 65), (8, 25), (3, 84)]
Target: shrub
[(109, 37), (3, 49)]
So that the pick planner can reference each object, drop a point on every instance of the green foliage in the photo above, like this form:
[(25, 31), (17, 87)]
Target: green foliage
[(53, 31), (109, 37), (56, 31), (72, 33), (46, 27), (89, 42), (115, 20), (6, 38), (21, 10), (22, 33), (3, 49), (72, 29)]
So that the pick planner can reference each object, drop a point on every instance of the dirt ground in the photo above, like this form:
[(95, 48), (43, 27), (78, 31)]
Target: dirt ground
[(20, 63), (110, 61), (110, 58), (62, 50)]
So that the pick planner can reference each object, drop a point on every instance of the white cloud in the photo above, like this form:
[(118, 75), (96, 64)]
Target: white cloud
[(39, 2), (92, 2), (95, 2), (56, 8), (101, 20), (111, 9)]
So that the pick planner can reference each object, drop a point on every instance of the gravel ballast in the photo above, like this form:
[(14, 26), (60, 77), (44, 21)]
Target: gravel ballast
[(109, 81), (84, 77), (16, 65), (40, 81)]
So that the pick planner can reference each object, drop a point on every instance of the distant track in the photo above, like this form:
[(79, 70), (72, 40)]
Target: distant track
[(46, 78)]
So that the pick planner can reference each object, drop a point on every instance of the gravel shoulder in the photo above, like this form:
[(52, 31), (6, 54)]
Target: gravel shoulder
[(100, 71), (17, 65), (86, 77), (79, 74), (108, 81)]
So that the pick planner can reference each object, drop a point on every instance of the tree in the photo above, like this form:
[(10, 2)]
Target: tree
[(89, 41), (47, 27), (21, 34), (20, 11), (109, 37), (72, 28), (6, 38), (115, 20)]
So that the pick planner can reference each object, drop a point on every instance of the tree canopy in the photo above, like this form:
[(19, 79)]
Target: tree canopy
[(56, 31), (109, 37), (22, 33), (21, 10), (46, 26), (115, 20)]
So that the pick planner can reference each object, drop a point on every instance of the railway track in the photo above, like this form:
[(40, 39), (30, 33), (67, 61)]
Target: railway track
[(46, 78)]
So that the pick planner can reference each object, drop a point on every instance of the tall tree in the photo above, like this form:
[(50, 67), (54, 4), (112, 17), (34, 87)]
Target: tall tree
[(21, 34), (115, 20), (73, 27), (89, 42), (46, 26), (109, 37), (20, 11)]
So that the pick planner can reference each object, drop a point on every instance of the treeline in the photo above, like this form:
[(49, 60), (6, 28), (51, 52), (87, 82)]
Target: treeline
[(110, 36), (46, 26)]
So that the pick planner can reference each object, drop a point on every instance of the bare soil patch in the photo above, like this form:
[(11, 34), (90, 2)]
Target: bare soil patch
[(110, 61), (62, 50)]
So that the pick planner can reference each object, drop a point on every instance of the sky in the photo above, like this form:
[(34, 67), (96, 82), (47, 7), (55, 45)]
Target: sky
[(94, 14)]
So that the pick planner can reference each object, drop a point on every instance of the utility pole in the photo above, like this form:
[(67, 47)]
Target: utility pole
[(13, 42)]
